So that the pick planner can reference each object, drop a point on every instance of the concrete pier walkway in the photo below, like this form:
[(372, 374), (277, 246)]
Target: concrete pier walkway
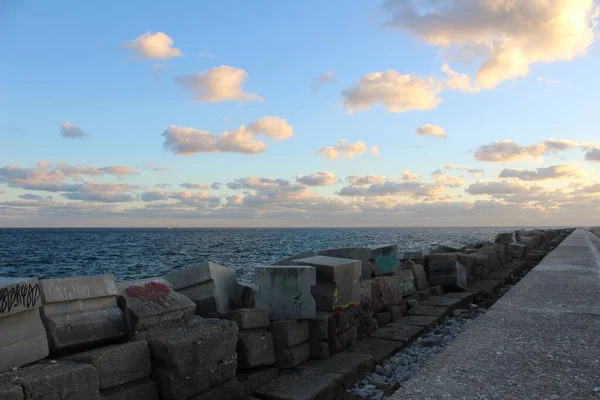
[(540, 341)]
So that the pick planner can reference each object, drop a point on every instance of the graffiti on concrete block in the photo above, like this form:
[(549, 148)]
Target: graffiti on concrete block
[(386, 262), (148, 291), (19, 296)]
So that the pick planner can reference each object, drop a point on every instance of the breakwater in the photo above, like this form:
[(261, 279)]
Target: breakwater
[(308, 327)]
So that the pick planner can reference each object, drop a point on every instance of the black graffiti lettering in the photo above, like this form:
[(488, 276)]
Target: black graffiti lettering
[(19, 296)]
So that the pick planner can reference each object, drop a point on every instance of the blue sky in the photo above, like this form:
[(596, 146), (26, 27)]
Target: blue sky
[(69, 62)]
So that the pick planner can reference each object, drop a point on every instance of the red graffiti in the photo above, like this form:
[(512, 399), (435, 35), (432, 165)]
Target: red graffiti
[(149, 291)]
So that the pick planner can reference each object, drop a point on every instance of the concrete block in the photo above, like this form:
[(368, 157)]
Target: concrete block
[(336, 281), (246, 293), (288, 261), (232, 390), (452, 276), (375, 261), (420, 276), (398, 311), (318, 349), (192, 356), (289, 357), (425, 321), (18, 295), (517, 250), (117, 364), (467, 260), (452, 247), (151, 302), (256, 378), (289, 333), (255, 348), (442, 301), (388, 291), (212, 287), (377, 348), (81, 313), (352, 366), (55, 381), (144, 389), (442, 257), (436, 291), (285, 291), (303, 384), (505, 238), (431, 311), (383, 318), (23, 339), (328, 324), (10, 392), (416, 256), (342, 340), (466, 298), (251, 318), (398, 332)]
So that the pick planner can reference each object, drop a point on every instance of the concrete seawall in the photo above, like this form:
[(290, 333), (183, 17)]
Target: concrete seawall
[(310, 327), (540, 341)]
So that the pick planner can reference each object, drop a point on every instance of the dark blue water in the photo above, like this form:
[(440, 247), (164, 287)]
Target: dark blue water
[(139, 253)]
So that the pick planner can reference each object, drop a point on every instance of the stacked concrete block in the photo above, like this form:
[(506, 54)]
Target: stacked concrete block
[(386, 291), (496, 254), (212, 287), (505, 238), (150, 302), (81, 313), (450, 274), (55, 380), (517, 250), (291, 338), (419, 273), (452, 247), (416, 256), (288, 261), (193, 357), (337, 281), (285, 291), (123, 370), (23, 337), (332, 332), (375, 261), (246, 293)]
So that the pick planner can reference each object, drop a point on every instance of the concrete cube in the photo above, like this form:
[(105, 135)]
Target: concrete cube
[(288, 261), (319, 349), (251, 318), (452, 247), (517, 250), (232, 390), (289, 333), (81, 313), (450, 275), (416, 256), (192, 356), (337, 281), (55, 381), (285, 291), (328, 324), (255, 348), (420, 276), (505, 238), (375, 261), (151, 302), (246, 293), (342, 340), (144, 389), (383, 318), (117, 364), (386, 291), (23, 339), (211, 286), (256, 378), (289, 357)]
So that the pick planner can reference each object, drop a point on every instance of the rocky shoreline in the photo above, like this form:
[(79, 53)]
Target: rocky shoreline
[(309, 327)]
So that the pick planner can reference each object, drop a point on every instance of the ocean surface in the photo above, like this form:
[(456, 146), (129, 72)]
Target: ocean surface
[(141, 253)]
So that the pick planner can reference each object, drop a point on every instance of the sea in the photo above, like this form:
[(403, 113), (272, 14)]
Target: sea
[(141, 253)]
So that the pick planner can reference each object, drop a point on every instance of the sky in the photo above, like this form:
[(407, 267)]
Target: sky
[(325, 114)]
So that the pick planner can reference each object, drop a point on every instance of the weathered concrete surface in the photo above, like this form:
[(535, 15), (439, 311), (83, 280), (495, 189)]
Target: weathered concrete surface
[(211, 286), (353, 366), (256, 378), (58, 380), (10, 392), (539, 341), (117, 364), (285, 291), (288, 261), (232, 390), (81, 312), (22, 339), (377, 348), (139, 390), (375, 260), (251, 318), (398, 332), (303, 384), (255, 348), (151, 302)]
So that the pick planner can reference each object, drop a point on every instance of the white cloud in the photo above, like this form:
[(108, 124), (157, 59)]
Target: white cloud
[(150, 46), (502, 187), (397, 92), (503, 34), (562, 171), (322, 80), (507, 150), (322, 178), (187, 141), (393, 188), (365, 179), (346, 149), (469, 170), (449, 181), (223, 83), (70, 131), (593, 188), (200, 186), (431, 130), (408, 176), (458, 81), (593, 155), (118, 170), (103, 192)]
